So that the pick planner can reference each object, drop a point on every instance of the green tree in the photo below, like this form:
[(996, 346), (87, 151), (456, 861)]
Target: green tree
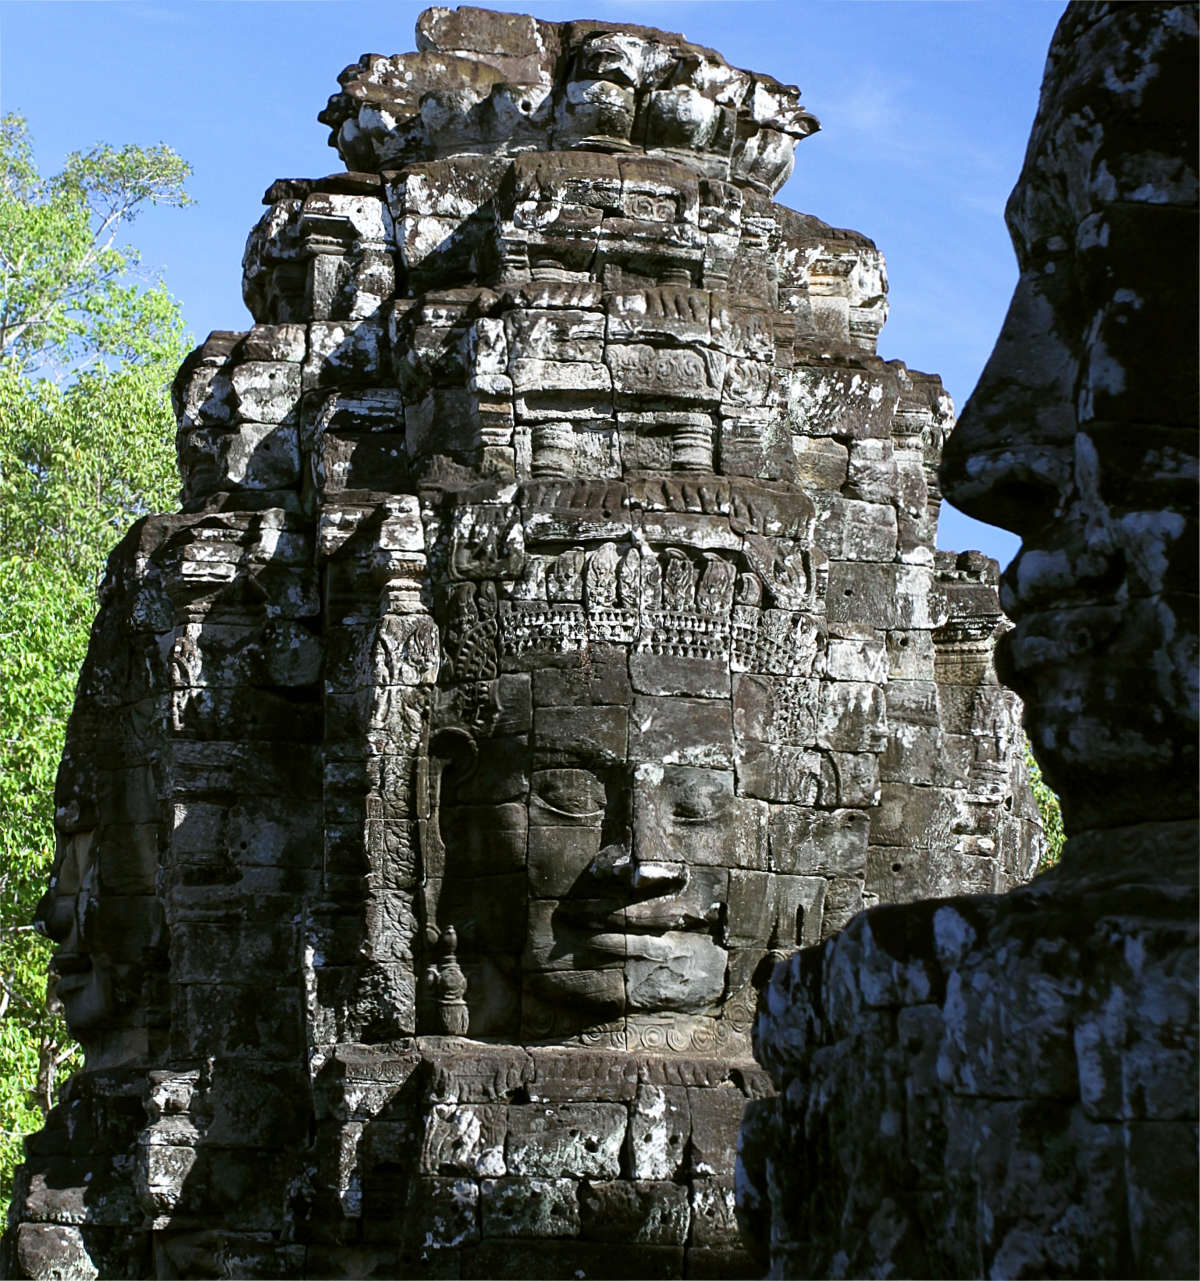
[(87, 350), (1050, 810)]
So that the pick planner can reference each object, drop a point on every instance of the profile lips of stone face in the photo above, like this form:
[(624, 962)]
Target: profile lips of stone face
[(1056, 577), (72, 970), (82, 990)]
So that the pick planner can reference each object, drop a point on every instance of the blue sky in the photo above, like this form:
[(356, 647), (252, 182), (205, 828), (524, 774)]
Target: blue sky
[(925, 108)]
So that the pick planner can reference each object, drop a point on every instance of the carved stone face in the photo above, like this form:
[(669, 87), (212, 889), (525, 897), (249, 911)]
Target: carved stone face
[(629, 864), (83, 982), (101, 912), (101, 908), (638, 716), (1081, 434)]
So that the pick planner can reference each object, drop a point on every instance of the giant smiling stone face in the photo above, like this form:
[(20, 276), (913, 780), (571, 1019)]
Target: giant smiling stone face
[(619, 722), (1081, 436), (101, 909)]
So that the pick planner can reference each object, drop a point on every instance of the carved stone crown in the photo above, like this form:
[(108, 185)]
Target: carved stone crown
[(498, 83)]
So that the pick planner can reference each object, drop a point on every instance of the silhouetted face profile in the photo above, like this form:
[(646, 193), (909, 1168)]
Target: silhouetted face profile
[(1081, 435), (101, 912)]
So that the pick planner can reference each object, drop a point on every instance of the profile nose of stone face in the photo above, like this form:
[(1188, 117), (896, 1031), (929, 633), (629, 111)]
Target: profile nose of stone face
[(1009, 458), (55, 916)]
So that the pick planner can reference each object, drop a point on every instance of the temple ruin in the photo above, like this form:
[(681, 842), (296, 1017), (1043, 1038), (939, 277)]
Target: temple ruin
[(551, 638)]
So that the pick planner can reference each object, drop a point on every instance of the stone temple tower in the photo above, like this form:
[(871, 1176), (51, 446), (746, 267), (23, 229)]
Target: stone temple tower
[(550, 638)]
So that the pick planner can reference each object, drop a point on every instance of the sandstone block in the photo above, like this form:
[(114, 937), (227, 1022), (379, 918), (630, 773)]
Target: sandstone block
[(581, 1140), (442, 1212), (536, 1208), (569, 732), (817, 844), (464, 1139), (681, 731), (852, 716), (659, 1126), (644, 1212), (716, 1116)]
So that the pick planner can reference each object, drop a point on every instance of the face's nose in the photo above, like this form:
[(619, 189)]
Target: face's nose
[(1009, 460), (620, 865), (55, 916)]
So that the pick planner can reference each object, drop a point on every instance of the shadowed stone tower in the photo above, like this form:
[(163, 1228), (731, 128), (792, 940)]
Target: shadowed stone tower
[(551, 638), (1006, 1086)]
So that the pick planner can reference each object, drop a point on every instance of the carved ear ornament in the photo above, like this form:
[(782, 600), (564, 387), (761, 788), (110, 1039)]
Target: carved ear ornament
[(448, 987), (456, 748)]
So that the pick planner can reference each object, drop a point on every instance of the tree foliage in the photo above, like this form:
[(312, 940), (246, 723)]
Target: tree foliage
[(1050, 811), (67, 292), (87, 350)]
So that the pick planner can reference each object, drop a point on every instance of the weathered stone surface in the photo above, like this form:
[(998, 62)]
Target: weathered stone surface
[(1005, 1085), (506, 96), (464, 1138), (580, 1139), (653, 1213), (552, 640), (50, 1249), (536, 1208), (658, 1128)]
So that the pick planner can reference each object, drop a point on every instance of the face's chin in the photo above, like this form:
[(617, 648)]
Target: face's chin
[(678, 971)]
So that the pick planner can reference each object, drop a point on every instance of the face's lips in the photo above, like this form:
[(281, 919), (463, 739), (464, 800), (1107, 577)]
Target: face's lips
[(1067, 576), (66, 986), (66, 964), (655, 917), (632, 945), (643, 923), (612, 944), (1057, 637)]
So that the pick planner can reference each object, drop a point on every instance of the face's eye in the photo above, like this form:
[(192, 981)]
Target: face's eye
[(575, 795)]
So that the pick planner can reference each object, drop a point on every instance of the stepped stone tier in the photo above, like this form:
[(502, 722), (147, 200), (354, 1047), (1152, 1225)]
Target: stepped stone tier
[(551, 638), (1006, 1086)]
